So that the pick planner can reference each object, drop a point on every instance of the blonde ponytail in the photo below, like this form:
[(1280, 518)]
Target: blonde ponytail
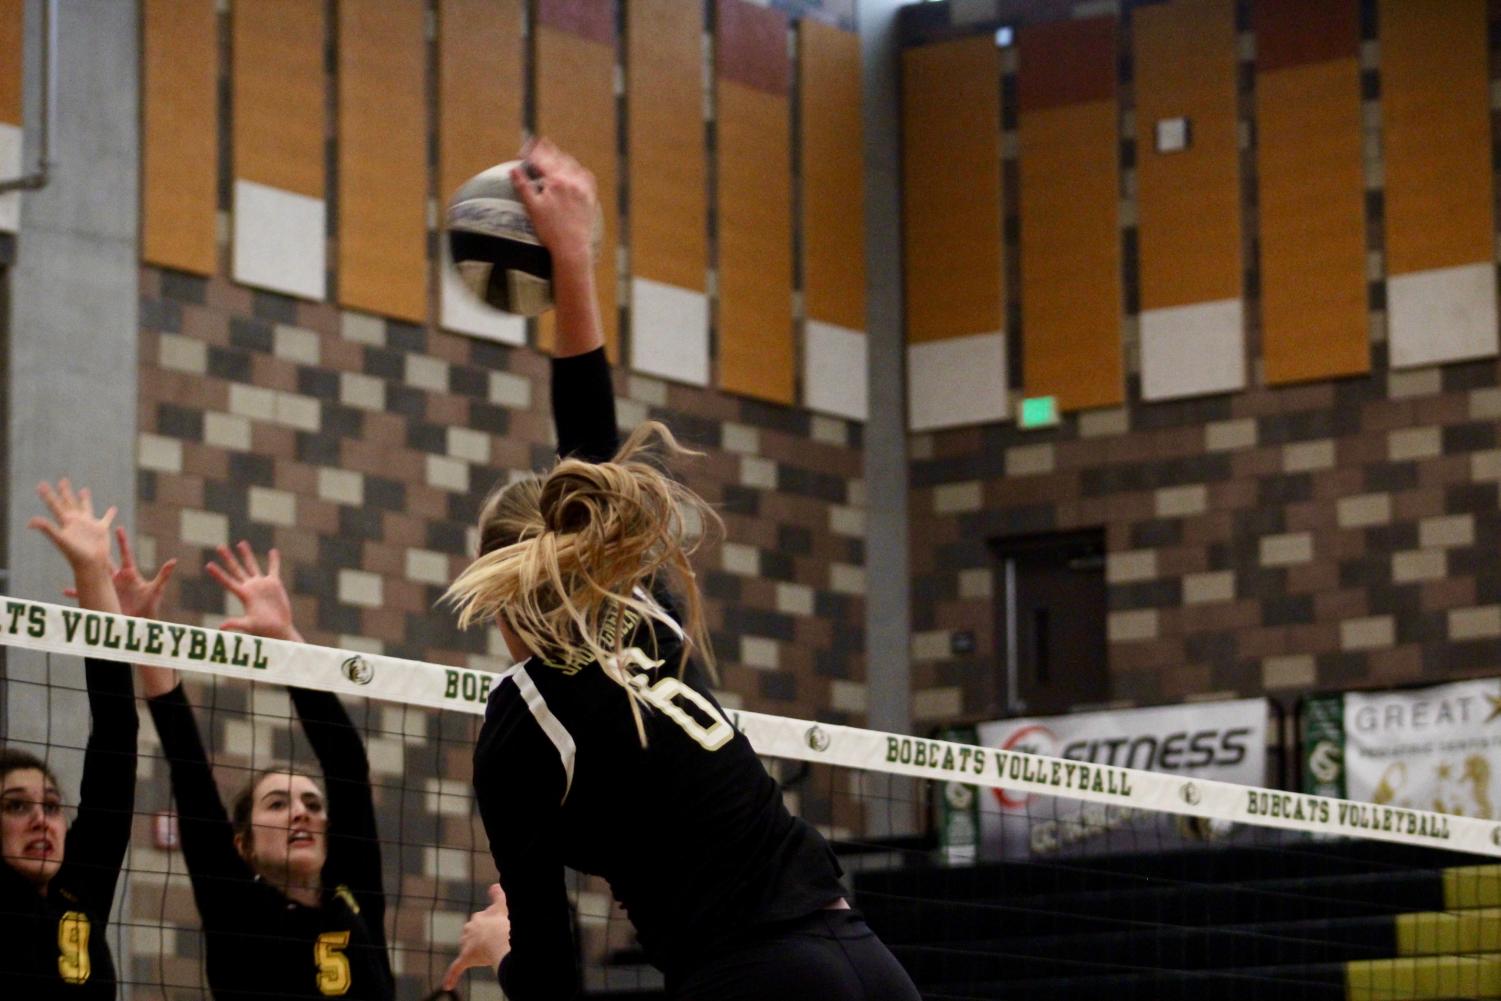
[(572, 560)]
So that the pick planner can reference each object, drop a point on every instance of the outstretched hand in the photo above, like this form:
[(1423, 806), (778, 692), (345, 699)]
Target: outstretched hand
[(268, 610), (138, 596), (78, 534), (485, 940)]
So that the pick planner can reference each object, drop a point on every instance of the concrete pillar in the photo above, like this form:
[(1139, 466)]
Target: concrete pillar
[(887, 573), (73, 329)]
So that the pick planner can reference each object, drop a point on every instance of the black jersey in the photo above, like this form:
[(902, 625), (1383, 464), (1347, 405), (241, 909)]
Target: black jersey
[(689, 831), (54, 944), (260, 944)]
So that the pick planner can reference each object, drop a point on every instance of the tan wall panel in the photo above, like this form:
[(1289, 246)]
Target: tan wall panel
[(756, 355), (383, 180), (480, 88), (669, 175), (1071, 255), (1436, 134), (12, 28), (576, 109), (1189, 201), (1312, 213), (833, 171), (180, 141), (951, 189), (278, 95)]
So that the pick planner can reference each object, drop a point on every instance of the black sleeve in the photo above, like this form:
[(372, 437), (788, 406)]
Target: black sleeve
[(208, 840), (519, 785), (353, 841), (96, 842), (583, 407)]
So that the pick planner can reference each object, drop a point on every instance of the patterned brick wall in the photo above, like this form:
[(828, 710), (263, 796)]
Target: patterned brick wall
[(1324, 536), (361, 447)]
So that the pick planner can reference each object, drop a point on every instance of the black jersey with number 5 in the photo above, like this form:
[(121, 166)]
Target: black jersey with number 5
[(259, 943), (689, 830)]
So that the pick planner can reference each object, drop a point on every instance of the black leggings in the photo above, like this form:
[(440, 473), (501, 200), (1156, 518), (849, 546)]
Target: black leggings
[(826, 956)]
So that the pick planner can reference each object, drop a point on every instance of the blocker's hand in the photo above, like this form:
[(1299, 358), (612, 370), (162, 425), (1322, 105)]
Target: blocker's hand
[(138, 596), (78, 534), (268, 610), (561, 200), (485, 940)]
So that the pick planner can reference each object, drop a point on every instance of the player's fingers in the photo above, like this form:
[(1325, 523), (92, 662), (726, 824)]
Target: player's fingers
[(526, 189), (234, 625), (455, 971), (65, 491), (227, 582), (163, 575), (497, 895), (122, 539), (231, 564), (50, 498), (46, 528), (247, 555), (86, 501), (109, 516), (273, 564), (70, 592)]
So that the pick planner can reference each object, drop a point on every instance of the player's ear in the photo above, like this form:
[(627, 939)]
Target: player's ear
[(245, 848)]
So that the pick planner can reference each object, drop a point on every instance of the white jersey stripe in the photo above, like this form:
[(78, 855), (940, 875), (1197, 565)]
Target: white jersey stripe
[(550, 724)]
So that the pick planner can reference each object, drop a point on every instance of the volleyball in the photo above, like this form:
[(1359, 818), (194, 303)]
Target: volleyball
[(494, 247)]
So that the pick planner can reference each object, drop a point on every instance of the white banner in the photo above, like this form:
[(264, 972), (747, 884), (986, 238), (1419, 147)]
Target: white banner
[(1225, 741), (1427, 749), (34, 625)]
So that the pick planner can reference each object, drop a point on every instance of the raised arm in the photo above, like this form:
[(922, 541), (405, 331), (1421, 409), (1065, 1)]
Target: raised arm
[(354, 855), (97, 840), (208, 839), (563, 206)]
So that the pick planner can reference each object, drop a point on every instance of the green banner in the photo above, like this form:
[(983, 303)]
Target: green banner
[(1323, 743), (958, 809)]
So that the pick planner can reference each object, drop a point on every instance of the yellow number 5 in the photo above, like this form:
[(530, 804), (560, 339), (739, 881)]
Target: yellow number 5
[(333, 965), (73, 948)]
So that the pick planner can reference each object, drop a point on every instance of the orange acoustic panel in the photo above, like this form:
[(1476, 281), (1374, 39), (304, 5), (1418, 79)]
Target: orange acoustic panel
[(669, 178), (1070, 191), (278, 84), (1311, 190), (756, 351), (180, 134), (832, 166), (383, 181), (1189, 200), (12, 31), (480, 88), (951, 189), (1436, 134), (575, 74)]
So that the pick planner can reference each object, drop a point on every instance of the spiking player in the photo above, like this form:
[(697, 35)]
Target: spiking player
[(603, 748)]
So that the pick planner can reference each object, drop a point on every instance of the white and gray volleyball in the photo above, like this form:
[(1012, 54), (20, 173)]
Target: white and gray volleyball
[(494, 247)]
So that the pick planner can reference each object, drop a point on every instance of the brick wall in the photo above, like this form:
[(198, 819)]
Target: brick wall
[(1332, 535), (361, 447)]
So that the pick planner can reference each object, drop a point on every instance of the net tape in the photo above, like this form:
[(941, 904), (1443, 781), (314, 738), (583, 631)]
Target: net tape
[(49, 628)]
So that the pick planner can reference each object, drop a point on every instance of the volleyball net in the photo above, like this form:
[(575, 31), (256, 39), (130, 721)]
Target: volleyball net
[(1097, 880)]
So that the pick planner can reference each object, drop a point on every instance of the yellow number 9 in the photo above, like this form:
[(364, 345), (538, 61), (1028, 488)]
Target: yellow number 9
[(73, 948), (333, 965)]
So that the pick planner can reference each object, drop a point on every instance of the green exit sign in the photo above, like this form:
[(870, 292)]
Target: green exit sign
[(1038, 412)]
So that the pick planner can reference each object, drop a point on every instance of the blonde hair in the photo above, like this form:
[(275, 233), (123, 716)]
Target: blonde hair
[(573, 559)]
